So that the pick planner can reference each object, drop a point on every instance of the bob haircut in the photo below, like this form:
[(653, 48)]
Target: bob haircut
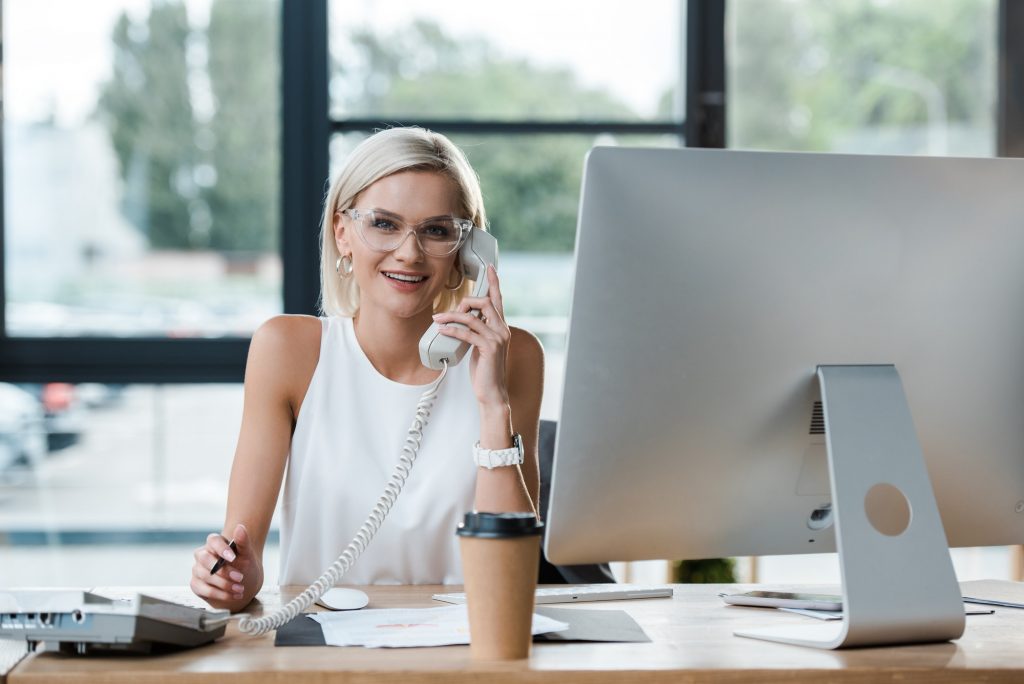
[(386, 152)]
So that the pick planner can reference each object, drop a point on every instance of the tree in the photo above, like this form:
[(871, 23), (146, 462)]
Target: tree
[(812, 76), (245, 153), (148, 110), (198, 180)]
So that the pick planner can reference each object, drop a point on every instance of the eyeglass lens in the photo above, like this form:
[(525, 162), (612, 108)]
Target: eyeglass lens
[(383, 232)]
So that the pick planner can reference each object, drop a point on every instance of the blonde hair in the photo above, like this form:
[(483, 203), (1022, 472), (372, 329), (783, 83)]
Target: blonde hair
[(382, 154)]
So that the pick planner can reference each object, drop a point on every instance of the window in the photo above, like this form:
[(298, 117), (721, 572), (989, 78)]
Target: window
[(899, 77), (142, 168), (164, 165), (152, 158)]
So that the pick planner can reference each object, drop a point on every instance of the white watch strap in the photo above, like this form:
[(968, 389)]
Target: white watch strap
[(498, 458)]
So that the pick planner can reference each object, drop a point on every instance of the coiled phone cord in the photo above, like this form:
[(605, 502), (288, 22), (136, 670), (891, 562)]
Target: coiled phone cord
[(256, 626)]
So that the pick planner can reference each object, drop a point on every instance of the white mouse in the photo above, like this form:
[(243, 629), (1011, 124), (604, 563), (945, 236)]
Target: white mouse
[(343, 599)]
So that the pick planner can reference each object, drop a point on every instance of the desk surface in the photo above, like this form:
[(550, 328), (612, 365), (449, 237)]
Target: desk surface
[(691, 636)]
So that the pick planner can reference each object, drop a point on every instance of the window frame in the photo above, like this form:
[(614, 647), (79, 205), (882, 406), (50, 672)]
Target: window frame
[(307, 128)]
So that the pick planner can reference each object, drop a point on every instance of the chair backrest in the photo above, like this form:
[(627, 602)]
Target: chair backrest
[(560, 574)]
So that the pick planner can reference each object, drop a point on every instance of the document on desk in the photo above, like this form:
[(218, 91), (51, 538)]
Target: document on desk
[(405, 627)]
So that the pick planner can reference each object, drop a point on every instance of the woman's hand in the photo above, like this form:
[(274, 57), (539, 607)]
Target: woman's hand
[(238, 578), (489, 335)]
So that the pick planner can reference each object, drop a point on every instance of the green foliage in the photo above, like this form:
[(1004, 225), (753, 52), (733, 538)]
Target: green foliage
[(196, 181), (149, 112), (706, 571), (245, 80), (808, 75)]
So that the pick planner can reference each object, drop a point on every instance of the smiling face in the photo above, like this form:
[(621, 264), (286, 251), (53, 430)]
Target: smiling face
[(405, 281)]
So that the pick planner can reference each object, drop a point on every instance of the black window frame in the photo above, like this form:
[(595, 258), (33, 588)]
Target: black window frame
[(306, 132)]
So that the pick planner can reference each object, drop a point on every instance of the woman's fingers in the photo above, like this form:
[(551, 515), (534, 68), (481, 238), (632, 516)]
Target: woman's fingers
[(221, 580), (490, 329), (220, 547), (489, 315), (205, 590), (494, 289)]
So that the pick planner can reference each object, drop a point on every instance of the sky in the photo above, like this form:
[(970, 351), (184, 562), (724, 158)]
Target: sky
[(57, 52)]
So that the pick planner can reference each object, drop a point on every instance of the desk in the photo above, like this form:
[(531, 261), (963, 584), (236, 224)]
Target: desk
[(691, 636)]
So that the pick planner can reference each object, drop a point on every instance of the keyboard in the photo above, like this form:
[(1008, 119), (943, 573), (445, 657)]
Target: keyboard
[(579, 594)]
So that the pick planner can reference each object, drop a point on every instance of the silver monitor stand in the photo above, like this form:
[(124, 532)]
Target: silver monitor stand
[(885, 515)]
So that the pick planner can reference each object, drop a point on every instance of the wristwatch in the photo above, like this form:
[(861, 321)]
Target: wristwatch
[(497, 458)]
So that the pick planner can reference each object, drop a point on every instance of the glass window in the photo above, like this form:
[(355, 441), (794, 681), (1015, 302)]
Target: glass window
[(141, 167), (90, 472), (863, 76), (531, 60)]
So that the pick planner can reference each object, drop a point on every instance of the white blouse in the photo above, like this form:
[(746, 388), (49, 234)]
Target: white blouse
[(350, 430)]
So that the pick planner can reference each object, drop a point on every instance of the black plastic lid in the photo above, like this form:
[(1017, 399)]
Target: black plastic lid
[(500, 525)]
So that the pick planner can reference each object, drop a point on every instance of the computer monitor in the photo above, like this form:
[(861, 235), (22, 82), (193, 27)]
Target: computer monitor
[(711, 286)]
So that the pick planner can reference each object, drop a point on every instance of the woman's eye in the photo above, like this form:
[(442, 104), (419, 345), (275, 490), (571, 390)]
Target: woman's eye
[(438, 231), (383, 224)]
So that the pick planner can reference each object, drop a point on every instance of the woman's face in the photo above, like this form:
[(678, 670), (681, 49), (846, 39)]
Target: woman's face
[(404, 281)]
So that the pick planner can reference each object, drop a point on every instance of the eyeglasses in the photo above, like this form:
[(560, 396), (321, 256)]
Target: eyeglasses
[(384, 232)]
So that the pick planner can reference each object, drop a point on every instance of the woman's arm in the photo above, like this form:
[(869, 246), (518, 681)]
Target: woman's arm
[(515, 488), (508, 380), (282, 357)]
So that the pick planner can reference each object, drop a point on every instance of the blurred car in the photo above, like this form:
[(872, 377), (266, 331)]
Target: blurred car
[(63, 413), (22, 431)]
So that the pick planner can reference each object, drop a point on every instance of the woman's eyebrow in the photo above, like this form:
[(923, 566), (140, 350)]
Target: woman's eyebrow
[(402, 218)]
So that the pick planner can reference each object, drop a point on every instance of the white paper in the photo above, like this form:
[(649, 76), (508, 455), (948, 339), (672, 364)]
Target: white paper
[(403, 627)]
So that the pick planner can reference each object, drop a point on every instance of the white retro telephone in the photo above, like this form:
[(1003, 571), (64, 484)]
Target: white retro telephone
[(437, 351), (479, 250)]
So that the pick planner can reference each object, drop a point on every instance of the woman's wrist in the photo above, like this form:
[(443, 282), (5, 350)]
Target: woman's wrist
[(496, 426)]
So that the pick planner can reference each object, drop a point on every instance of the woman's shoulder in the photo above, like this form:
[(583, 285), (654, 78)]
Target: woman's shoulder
[(289, 332), (287, 347), (525, 352)]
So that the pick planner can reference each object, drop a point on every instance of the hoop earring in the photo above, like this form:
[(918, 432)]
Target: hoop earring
[(343, 266), (462, 279)]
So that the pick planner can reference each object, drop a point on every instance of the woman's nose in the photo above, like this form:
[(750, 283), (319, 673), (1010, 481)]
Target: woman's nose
[(409, 249)]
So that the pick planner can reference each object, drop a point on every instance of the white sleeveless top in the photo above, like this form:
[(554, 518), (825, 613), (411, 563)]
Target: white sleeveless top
[(348, 436)]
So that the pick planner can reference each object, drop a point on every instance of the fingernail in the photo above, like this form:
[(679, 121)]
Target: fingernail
[(228, 555), (237, 588), (436, 316), (237, 576)]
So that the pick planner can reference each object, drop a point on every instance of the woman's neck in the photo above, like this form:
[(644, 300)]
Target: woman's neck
[(392, 345)]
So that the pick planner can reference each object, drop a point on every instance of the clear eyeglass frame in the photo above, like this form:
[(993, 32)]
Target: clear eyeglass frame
[(364, 219)]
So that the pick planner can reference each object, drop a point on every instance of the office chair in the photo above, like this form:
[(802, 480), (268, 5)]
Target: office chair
[(560, 574)]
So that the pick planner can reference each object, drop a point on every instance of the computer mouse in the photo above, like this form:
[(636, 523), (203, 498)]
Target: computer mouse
[(341, 598)]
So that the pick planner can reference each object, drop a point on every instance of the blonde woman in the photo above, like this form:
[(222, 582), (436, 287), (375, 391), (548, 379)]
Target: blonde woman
[(329, 401)]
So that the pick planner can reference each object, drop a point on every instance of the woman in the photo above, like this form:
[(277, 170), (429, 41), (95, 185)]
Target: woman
[(330, 400)]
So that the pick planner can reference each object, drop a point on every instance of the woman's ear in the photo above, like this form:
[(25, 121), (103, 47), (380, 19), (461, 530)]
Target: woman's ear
[(340, 234)]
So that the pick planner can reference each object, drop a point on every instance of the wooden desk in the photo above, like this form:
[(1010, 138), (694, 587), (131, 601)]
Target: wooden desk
[(691, 636)]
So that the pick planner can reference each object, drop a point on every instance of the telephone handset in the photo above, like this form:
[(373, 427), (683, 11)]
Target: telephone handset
[(479, 250), (437, 351)]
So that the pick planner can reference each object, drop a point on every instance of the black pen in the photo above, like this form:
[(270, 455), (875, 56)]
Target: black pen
[(221, 561)]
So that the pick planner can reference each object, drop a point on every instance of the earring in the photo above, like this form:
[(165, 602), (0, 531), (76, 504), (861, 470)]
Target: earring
[(462, 279), (343, 266)]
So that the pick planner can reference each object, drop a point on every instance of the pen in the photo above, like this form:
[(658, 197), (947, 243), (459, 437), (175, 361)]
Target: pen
[(220, 561)]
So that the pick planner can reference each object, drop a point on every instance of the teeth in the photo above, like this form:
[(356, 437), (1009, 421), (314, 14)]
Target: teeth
[(406, 278)]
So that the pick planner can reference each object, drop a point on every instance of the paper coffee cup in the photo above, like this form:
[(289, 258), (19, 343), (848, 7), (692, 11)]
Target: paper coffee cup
[(500, 557)]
